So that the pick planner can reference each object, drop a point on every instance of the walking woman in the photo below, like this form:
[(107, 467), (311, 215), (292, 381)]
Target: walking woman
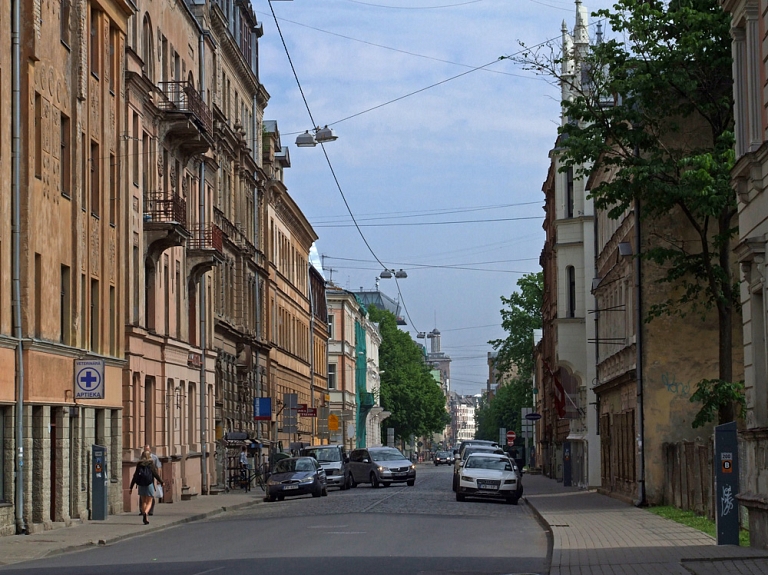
[(144, 477)]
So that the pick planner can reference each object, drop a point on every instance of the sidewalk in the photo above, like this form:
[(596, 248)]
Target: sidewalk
[(596, 534), (18, 548)]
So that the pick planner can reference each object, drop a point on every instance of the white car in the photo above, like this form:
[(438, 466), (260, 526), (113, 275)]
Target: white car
[(488, 475)]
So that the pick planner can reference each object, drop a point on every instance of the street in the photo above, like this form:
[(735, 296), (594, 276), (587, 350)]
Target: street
[(397, 530)]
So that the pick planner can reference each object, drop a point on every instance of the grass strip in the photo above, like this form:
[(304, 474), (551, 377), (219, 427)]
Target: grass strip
[(694, 520)]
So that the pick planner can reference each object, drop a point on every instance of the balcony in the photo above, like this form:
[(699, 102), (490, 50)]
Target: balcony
[(188, 120), (165, 223), (205, 249)]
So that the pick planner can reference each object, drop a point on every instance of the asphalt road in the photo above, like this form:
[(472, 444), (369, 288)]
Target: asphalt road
[(420, 530)]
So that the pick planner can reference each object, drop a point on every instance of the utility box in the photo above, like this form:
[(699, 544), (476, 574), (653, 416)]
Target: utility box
[(99, 483), (726, 484)]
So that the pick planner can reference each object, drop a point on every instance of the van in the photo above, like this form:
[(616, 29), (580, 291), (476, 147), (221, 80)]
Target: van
[(334, 461)]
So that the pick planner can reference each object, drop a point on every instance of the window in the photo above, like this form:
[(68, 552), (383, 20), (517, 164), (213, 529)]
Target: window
[(135, 148), (113, 191), (66, 156), (64, 21), (65, 323), (95, 179), (331, 326), (332, 376), (570, 279), (38, 135), (38, 296), (569, 193), (95, 50), (95, 316), (147, 48)]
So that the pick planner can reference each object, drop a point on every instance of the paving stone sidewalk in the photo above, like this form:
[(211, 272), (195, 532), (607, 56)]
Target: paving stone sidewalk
[(18, 548), (593, 534)]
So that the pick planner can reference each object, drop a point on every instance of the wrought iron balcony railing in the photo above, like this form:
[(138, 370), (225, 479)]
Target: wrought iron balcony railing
[(183, 97), (161, 208), (206, 237)]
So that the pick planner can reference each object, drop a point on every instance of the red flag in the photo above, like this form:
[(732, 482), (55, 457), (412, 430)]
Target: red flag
[(559, 392)]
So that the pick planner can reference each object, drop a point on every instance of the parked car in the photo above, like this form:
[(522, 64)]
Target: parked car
[(296, 476), (466, 451), (335, 462), (442, 458), (488, 475), (381, 466)]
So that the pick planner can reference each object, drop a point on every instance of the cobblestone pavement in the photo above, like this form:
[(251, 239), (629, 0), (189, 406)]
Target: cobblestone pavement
[(596, 534)]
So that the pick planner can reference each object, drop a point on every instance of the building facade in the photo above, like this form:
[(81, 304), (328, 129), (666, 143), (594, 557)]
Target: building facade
[(749, 181), (66, 297)]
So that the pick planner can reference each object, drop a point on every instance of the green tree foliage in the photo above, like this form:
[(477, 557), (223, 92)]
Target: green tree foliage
[(504, 408), (520, 315), (408, 390), (653, 107)]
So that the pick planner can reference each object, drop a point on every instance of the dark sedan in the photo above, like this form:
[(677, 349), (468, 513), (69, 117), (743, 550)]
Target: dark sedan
[(296, 476), (443, 458)]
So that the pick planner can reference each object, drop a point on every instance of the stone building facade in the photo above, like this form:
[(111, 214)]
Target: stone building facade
[(72, 208), (146, 190), (749, 51)]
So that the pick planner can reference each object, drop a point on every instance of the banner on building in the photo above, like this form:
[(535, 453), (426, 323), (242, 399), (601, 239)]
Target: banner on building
[(262, 408)]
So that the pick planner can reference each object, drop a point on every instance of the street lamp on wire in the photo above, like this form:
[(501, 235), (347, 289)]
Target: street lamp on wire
[(317, 136), (388, 273)]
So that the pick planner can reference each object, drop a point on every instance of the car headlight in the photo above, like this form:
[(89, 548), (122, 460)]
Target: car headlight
[(307, 480), (509, 482), (468, 479), (413, 467), (380, 468)]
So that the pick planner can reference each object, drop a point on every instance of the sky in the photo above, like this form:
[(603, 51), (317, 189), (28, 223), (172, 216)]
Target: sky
[(441, 154)]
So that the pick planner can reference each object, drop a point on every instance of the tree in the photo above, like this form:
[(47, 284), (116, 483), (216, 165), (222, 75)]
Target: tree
[(408, 390), (654, 108), (514, 362)]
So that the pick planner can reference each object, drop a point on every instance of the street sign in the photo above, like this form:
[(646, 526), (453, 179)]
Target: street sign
[(511, 436), (333, 422), (89, 379), (533, 416), (307, 411), (262, 408)]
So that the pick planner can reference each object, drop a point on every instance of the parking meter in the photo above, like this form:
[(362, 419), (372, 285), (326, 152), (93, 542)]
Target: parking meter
[(99, 482)]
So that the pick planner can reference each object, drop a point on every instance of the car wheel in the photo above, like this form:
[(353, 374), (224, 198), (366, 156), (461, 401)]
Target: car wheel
[(374, 480), (352, 482), (460, 497), (454, 482), (344, 484), (325, 492), (411, 483)]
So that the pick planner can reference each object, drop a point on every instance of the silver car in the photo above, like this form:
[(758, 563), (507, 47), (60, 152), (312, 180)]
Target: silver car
[(381, 466), (488, 475)]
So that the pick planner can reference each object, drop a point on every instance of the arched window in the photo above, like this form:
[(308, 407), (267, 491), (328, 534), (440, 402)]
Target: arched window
[(148, 48), (570, 283)]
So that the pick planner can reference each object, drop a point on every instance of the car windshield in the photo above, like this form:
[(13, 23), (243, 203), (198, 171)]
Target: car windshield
[(480, 462), (325, 454), (470, 450), (442, 454), (291, 465), (386, 455)]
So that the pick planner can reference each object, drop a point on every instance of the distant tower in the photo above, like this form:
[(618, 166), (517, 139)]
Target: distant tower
[(434, 335), (437, 359)]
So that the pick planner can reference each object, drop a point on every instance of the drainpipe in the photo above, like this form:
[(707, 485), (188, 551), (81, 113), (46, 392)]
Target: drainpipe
[(203, 303), (21, 527), (641, 501)]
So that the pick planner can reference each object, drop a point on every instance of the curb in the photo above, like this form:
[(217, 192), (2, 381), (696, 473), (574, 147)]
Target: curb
[(547, 530), (189, 519)]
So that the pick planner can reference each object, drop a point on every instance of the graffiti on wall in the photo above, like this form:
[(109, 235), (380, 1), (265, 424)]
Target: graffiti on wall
[(675, 387)]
